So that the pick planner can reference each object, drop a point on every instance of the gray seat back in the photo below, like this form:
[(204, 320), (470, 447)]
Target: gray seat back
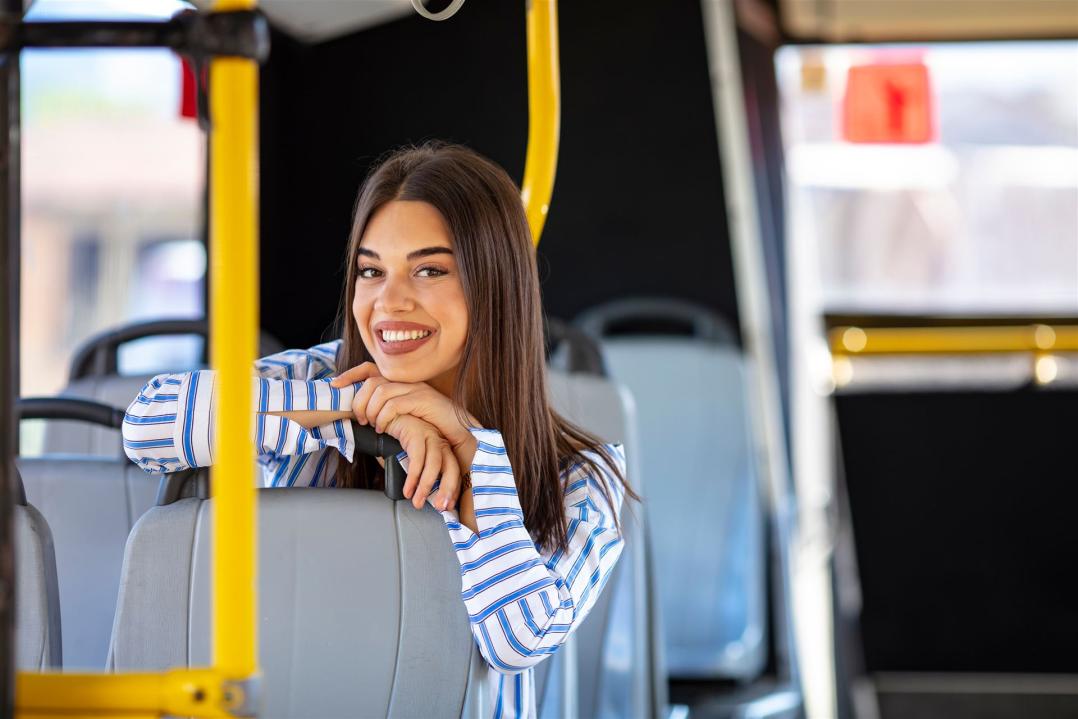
[(90, 504), (37, 603), (95, 375), (617, 669), (697, 450), (359, 603), (82, 438)]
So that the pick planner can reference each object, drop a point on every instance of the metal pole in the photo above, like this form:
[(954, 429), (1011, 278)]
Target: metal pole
[(9, 354), (805, 578), (233, 343)]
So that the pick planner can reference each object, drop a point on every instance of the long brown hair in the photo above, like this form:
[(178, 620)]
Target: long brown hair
[(501, 378)]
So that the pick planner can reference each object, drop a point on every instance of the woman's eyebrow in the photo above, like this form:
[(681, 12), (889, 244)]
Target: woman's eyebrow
[(425, 252), (428, 251)]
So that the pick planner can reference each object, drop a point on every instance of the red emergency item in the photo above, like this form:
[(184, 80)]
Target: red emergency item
[(888, 103), (189, 91)]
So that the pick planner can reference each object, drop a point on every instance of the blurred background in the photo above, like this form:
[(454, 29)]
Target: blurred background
[(875, 202)]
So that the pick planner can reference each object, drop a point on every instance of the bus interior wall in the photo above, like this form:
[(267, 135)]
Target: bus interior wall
[(637, 209)]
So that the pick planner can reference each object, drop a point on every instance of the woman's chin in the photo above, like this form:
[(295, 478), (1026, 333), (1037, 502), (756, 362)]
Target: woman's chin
[(399, 372)]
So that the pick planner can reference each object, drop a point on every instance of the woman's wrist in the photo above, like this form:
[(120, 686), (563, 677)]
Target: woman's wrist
[(464, 449)]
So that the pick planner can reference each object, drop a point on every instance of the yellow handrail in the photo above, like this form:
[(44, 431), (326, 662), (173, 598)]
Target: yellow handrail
[(218, 691), (180, 692), (953, 340), (233, 343), (544, 113)]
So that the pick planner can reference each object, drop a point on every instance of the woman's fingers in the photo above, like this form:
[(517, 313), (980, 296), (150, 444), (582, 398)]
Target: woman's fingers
[(380, 396), (417, 453), (363, 397), (430, 457), (432, 467), (450, 487), (358, 373)]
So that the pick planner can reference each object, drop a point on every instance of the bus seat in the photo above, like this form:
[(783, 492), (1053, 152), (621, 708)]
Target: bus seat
[(696, 445), (37, 602), (69, 437), (618, 671), (91, 504), (95, 375), (359, 603)]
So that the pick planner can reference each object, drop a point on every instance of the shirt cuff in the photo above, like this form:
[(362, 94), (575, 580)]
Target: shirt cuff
[(273, 395)]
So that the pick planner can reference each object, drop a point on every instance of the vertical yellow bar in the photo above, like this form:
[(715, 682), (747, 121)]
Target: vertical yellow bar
[(544, 112), (233, 342)]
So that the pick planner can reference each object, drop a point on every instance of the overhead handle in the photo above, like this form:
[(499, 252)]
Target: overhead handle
[(445, 14)]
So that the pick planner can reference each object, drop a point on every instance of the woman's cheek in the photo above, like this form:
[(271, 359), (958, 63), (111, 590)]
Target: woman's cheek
[(361, 314)]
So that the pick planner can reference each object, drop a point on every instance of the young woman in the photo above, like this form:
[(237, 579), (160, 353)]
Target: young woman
[(444, 351)]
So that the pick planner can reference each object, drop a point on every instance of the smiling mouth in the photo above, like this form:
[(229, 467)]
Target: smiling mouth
[(402, 335), (401, 341)]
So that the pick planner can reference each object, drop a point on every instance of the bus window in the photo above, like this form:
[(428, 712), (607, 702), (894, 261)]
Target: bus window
[(113, 182), (980, 219)]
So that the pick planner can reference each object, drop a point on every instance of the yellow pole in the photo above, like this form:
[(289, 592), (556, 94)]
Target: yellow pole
[(233, 342), (218, 691), (544, 113)]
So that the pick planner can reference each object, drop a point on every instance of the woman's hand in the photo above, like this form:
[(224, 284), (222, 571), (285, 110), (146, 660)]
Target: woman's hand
[(379, 402), (429, 456)]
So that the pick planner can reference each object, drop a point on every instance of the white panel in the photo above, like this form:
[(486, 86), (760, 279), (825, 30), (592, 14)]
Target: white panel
[(321, 20), (877, 20)]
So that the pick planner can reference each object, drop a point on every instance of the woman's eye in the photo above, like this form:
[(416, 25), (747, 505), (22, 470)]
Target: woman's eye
[(368, 273), (431, 272)]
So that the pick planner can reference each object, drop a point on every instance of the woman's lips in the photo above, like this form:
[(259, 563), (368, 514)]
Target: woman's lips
[(398, 347)]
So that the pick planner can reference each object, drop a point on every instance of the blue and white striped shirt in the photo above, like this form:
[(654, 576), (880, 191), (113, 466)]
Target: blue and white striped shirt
[(522, 601)]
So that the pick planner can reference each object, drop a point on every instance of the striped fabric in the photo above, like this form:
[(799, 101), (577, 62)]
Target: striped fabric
[(167, 428), (523, 601)]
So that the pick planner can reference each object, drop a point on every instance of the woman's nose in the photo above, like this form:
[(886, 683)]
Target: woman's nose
[(396, 296)]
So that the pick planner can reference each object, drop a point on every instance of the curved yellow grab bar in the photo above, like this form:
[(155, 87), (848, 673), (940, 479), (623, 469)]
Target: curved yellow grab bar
[(953, 340), (544, 113)]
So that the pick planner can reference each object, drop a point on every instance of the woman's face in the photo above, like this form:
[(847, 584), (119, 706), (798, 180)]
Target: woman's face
[(409, 304)]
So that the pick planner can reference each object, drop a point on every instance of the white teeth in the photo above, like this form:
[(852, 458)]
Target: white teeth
[(402, 335)]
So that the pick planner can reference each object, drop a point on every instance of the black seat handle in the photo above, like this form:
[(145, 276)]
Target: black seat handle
[(174, 485), (583, 353), (99, 354), (702, 322), (70, 408), (382, 445)]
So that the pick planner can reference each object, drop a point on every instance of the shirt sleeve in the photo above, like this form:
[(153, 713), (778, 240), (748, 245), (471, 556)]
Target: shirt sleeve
[(169, 425), (523, 602)]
